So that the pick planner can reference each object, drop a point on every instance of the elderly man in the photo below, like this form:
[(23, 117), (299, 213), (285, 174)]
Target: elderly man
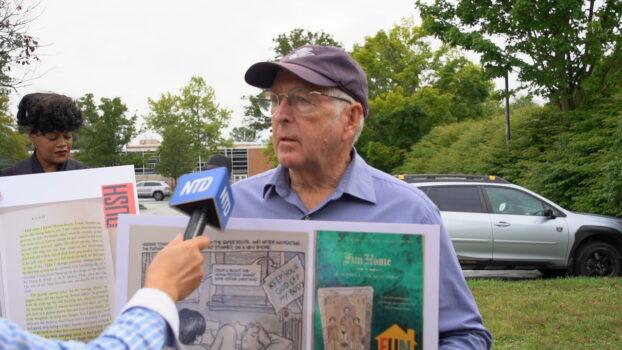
[(317, 99)]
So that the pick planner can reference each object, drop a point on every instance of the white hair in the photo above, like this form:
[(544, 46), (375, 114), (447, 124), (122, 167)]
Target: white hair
[(336, 92)]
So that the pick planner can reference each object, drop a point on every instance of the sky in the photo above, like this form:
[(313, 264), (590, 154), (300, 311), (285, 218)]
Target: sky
[(139, 49)]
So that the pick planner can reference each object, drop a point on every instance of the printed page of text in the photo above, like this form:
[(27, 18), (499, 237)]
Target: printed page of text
[(57, 265)]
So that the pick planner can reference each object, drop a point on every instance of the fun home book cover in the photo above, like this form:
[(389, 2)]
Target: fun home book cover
[(368, 291)]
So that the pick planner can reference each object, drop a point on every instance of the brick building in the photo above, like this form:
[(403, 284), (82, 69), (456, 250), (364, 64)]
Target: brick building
[(247, 159)]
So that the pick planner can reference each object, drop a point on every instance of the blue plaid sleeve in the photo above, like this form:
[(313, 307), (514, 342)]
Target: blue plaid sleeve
[(137, 328)]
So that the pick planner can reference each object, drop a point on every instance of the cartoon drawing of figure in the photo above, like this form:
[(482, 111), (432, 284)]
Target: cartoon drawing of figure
[(356, 336), (346, 323), (192, 333), (332, 333), (255, 337)]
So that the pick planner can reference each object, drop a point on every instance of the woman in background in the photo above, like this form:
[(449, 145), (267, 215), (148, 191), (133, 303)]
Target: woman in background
[(50, 120)]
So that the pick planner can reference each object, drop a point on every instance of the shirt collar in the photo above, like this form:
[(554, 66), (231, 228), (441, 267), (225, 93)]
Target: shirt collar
[(357, 181), (37, 168)]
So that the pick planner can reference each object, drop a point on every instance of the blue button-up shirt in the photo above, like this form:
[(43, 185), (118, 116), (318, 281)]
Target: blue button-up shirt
[(370, 195), (149, 321), (137, 328)]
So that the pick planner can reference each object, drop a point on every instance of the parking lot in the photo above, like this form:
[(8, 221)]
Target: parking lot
[(153, 207)]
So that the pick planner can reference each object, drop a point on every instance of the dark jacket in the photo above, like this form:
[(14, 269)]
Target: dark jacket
[(32, 166)]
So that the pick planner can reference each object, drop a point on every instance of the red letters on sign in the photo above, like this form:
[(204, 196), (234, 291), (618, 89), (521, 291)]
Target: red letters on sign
[(117, 199)]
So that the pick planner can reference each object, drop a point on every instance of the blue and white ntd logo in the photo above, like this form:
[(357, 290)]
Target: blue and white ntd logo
[(209, 191), (225, 202), (198, 185)]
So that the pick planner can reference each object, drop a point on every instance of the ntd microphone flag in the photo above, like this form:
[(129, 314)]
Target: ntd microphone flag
[(207, 193)]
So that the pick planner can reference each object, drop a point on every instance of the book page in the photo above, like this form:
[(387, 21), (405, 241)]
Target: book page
[(253, 290), (58, 268), (389, 268)]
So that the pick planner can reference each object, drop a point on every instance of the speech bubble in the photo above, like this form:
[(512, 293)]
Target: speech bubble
[(285, 284), (236, 275)]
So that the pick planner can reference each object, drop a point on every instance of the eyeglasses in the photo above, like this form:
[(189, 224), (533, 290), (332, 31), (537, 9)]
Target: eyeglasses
[(300, 99)]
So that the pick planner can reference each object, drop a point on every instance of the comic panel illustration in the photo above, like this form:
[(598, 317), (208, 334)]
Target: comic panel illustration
[(252, 295)]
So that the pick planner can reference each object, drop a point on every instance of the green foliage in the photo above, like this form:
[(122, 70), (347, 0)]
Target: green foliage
[(455, 148), (287, 42), (555, 45), (253, 119), (244, 134), (383, 156), (17, 48), (413, 89), (176, 152), (107, 129), (394, 59), (193, 120), (397, 122), (13, 145), (572, 158), (132, 158), (268, 151)]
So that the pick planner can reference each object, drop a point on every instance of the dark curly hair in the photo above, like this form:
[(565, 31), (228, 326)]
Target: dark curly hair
[(45, 112), (191, 325)]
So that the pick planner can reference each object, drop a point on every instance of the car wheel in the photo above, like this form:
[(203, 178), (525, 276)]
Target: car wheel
[(598, 259), (158, 196)]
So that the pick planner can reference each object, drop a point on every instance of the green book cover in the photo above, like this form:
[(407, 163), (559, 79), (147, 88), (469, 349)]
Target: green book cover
[(369, 291)]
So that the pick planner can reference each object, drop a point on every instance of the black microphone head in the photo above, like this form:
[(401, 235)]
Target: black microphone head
[(218, 160)]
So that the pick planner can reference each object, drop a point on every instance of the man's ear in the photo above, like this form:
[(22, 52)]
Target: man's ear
[(354, 114)]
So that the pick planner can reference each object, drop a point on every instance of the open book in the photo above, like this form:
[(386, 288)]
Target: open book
[(282, 284), (56, 266)]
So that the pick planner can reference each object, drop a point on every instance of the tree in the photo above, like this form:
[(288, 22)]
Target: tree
[(17, 48), (396, 58), (287, 42), (555, 45), (284, 44), (106, 131), (13, 144), (244, 134), (177, 156), (195, 110), (412, 88)]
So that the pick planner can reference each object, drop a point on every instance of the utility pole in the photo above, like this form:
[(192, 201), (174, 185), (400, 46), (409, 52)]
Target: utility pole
[(507, 110)]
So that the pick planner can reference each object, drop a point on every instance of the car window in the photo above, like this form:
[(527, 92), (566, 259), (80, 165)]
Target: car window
[(140, 184), (456, 198), (154, 184), (511, 201)]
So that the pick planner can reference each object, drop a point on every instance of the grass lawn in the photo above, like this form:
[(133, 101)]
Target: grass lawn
[(564, 313)]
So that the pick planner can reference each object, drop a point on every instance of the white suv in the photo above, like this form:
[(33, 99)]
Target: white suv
[(496, 224), (156, 189)]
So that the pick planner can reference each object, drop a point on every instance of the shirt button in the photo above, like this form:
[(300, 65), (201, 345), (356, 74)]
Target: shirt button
[(308, 217)]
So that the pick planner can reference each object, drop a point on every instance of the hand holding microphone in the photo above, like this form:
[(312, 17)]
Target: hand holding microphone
[(205, 196)]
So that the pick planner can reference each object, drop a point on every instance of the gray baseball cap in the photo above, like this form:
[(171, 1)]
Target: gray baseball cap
[(326, 66)]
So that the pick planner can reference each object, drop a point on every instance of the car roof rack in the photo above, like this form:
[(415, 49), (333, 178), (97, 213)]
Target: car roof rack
[(411, 178)]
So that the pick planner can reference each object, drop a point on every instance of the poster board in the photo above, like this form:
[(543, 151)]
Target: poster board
[(278, 281)]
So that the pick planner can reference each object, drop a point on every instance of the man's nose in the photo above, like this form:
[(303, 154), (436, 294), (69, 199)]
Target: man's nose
[(283, 110)]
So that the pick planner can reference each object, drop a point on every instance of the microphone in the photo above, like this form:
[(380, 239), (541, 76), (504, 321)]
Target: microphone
[(205, 196)]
